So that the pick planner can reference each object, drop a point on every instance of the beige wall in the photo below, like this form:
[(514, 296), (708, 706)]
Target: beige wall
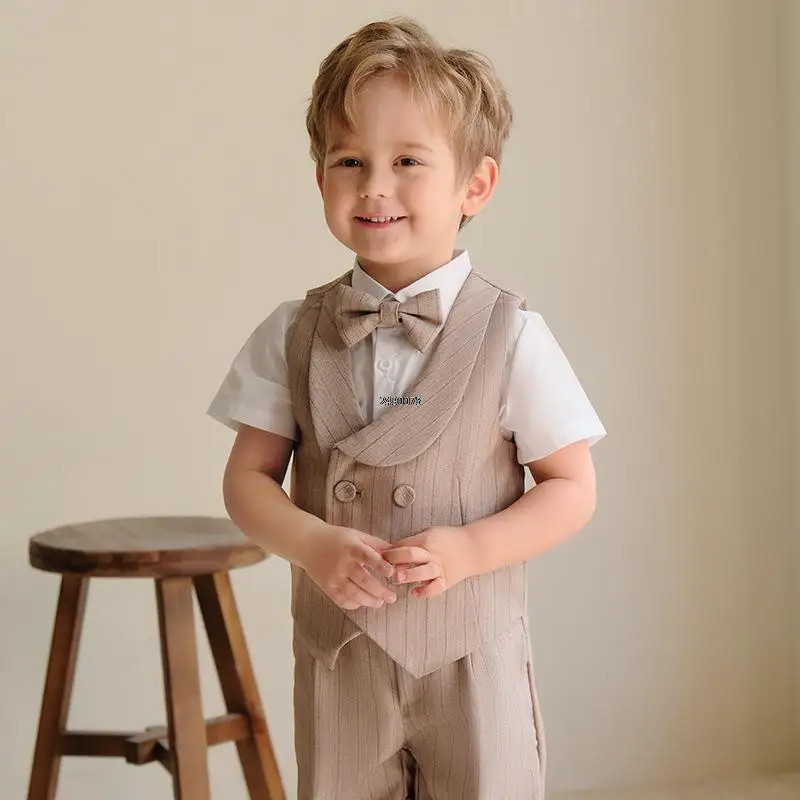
[(158, 201), (790, 72)]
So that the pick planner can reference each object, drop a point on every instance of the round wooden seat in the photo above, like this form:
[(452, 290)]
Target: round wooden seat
[(144, 547)]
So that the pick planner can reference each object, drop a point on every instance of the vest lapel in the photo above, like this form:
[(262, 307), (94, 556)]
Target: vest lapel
[(335, 411), (402, 432)]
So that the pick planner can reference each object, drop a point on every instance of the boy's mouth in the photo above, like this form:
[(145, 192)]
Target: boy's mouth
[(379, 222)]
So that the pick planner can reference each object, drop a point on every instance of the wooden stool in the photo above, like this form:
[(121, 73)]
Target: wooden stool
[(177, 552)]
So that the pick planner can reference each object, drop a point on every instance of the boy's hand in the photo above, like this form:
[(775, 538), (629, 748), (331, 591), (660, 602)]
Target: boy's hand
[(337, 562), (439, 557)]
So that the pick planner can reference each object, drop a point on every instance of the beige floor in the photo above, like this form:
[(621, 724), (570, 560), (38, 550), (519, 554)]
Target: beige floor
[(781, 787)]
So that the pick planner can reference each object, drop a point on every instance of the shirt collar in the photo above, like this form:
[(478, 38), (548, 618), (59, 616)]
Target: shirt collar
[(448, 279)]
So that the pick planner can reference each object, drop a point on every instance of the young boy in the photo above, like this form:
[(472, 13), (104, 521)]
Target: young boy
[(412, 391)]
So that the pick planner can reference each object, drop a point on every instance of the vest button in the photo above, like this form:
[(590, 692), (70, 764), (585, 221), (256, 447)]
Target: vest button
[(404, 495), (345, 491)]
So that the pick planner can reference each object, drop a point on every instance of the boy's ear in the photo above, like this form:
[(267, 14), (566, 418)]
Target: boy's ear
[(481, 186), (319, 178)]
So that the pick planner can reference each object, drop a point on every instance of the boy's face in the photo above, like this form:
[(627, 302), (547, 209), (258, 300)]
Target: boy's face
[(397, 163)]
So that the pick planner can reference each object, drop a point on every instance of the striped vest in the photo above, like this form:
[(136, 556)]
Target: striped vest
[(442, 461)]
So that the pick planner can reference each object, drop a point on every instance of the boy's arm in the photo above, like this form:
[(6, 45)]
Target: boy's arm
[(560, 504), (256, 502)]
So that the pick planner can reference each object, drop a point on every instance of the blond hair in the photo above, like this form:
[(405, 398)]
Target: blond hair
[(460, 85)]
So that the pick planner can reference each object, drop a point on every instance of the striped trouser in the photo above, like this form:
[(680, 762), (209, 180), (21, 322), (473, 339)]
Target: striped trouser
[(368, 730)]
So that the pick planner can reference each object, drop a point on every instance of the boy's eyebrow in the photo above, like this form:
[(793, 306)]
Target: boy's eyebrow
[(338, 146)]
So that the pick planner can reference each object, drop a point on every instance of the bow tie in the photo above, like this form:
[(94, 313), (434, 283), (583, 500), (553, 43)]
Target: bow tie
[(360, 313)]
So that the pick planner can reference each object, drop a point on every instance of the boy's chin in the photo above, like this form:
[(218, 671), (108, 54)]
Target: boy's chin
[(367, 258), (389, 252)]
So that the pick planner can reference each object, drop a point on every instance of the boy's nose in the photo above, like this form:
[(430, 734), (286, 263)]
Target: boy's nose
[(365, 193), (375, 186)]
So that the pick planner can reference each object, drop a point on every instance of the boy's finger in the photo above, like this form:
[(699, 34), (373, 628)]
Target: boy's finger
[(424, 572), (374, 560), (371, 584), (430, 589), (367, 595), (375, 542), (408, 555)]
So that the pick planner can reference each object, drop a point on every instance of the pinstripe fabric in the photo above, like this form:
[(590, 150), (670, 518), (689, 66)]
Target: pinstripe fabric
[(468, 731), (449, 449), (360, 313)]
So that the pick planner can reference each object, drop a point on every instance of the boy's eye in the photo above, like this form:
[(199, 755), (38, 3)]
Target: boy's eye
[(348, 162)]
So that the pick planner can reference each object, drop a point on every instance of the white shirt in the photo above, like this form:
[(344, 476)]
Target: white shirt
[(543, 405)]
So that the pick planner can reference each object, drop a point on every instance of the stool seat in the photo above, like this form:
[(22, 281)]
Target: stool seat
[(144, 547)]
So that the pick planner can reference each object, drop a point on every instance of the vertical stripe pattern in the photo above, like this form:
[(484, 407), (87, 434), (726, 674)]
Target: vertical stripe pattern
[(441, 462), (448, 449), (469, 731)]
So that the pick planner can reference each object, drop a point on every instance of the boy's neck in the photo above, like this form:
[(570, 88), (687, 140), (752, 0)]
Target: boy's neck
[(395, 277)]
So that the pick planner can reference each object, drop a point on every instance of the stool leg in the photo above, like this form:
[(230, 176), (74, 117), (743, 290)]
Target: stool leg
[(58, 687), (186, 724), (238, 682)]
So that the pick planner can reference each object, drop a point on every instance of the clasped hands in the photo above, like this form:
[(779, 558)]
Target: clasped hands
[(341, 559), (437, 558)]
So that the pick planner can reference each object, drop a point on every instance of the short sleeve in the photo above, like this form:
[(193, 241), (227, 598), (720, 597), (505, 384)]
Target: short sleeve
[(255, 391), (545, 407)]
